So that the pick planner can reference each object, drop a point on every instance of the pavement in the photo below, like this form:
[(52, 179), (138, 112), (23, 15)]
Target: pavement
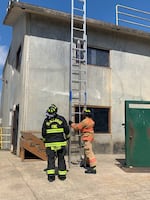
[(27, 180)]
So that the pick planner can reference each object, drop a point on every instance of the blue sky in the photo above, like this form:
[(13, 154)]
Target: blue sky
[(98, 9)]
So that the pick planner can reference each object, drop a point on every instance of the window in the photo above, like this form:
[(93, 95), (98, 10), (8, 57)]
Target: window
[(98, 57), (18, 59), (101, 116)]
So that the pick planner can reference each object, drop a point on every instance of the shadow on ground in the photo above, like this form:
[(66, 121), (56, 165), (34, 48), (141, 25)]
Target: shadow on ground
[(121, 163)]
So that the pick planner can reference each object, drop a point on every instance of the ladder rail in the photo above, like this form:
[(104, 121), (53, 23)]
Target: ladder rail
[(78, 66)]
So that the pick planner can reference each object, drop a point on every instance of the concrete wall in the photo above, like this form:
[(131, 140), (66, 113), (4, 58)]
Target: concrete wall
[(44, 76), (12, 89), (129, 82), (48, 80), (46, 69), (127, 78)]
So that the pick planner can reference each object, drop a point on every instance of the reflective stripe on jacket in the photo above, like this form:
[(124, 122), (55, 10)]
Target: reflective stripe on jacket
[(56, 130)]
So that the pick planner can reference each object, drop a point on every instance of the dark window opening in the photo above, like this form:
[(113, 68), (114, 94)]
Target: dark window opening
[(18, 59), (98, 57), (101, 116)]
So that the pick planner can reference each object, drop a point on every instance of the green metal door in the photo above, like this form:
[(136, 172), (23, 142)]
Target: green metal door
[(137, 133)]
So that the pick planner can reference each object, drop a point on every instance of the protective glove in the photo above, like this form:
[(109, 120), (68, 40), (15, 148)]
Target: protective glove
[(70, 122), (67, 138), (43, 139)]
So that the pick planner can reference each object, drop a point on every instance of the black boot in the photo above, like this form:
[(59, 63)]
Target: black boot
[(91, 170), (62, 177), (51, 178), (84, 164), (45, 169)]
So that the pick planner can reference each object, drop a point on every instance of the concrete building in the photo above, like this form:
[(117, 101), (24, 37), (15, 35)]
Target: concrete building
[(36, 72)]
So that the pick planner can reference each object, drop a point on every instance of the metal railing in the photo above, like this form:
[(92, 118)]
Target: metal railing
[(5, 138), (9, 4), (134, 18)]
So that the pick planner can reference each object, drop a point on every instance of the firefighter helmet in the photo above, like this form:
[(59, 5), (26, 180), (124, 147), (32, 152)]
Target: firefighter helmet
[(87, 112), (52, 109)]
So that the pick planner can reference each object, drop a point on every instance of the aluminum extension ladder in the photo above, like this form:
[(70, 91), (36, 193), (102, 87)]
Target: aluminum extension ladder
[(78, 71)]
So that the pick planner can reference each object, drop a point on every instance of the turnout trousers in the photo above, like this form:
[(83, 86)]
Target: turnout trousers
[(51, 165), (89, 154)]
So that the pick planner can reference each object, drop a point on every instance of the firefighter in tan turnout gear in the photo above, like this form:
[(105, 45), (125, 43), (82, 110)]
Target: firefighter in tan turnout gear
[(86, 127), (55, 133)]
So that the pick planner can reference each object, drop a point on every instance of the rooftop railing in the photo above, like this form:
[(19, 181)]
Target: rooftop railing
[(133, 18)]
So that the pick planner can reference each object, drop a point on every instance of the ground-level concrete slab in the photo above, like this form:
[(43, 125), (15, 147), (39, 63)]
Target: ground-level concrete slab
[(27, 180)]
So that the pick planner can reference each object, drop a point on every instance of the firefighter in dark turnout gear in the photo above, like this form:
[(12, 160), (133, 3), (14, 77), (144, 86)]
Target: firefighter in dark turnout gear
[(55, 133)]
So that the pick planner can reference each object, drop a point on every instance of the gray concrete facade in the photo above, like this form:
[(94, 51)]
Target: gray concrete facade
[(44, 37)]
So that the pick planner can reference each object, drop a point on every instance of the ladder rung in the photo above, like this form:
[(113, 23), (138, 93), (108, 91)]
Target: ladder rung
[(75, 73), (79, 49), (75, 90), (78, 62), (76, 95), (75, 102), (75, 80), (78, 29), (77, 38), (75, 98), (78, 71), (78, 59), (78, 19), (76, 65), (79, 9)]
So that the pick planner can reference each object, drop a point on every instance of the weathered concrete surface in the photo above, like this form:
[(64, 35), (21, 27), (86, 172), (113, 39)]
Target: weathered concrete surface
[(27, 180)]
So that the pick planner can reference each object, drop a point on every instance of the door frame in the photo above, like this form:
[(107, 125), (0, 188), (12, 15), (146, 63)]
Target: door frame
[(15, 125), (132, 132)]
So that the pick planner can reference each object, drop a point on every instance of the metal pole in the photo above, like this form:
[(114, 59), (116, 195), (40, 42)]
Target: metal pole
[(117, 15)]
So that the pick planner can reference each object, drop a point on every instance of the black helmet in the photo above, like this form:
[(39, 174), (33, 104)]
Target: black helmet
[(51, 111), (87, 113)]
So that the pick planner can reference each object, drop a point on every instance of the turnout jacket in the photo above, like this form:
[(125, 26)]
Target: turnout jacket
[(86, 126), (55, 131)]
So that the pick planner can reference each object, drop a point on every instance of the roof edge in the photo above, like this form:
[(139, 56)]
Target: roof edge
[(18, 8)]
